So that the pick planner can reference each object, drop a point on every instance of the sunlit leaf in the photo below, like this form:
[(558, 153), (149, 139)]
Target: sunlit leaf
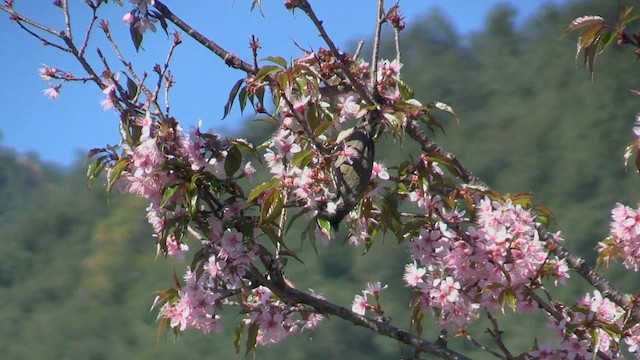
[(116, 171), (168, 193), (257, 191), (266, 71), (443, 107), (276, 60), (584, 21), (624, 11)]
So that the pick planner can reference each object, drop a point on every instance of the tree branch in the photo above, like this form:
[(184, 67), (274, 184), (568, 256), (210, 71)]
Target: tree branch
[(290, 294)]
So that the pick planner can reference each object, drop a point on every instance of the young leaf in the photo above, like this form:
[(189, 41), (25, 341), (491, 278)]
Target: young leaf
[(584, 21), (443, 107)]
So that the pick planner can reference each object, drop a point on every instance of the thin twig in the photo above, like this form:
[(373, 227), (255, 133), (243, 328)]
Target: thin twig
[(94, 17), (482, 347), (356, 54), (376, 45), (496, 334), (67, 19), (17, 16), (396, 37), (174, 44), (230, 59), (44, 41), (364, 93)]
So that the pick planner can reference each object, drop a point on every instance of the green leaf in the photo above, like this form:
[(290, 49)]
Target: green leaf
[(165, 323), (272, 206), (405, 90), (247, 148), (116, 171), (238, 337), (95, 169), (168, 194), (252, 336), (136, 35), (266, 71), (276, 60), (232, 96), (302, 158), (132, 88), (233, 161), (242, 98), (258, 190), (631, 18)]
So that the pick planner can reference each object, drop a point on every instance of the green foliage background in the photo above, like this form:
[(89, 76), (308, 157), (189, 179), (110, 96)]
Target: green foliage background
[(77, 268)]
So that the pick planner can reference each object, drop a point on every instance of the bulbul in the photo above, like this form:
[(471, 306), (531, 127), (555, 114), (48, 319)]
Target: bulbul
[(351, 170)]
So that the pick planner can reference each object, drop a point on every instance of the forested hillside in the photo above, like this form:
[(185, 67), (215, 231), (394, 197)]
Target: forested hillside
[(77, 268)]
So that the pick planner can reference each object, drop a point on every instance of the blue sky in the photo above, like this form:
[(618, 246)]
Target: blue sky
[(61, 131)]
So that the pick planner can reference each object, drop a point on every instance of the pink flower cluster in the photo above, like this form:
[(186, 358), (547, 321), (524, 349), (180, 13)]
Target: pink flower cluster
[(624, 239), (195, 307), (456, 272), (595, 318), (275, 320)]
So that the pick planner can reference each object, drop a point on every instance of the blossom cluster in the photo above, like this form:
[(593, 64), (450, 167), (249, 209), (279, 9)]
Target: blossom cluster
[(624, 239), (595, 324), (274, 319), (488, 265)]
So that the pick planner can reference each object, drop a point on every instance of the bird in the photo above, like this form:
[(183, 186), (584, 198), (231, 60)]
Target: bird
[(351, 171)]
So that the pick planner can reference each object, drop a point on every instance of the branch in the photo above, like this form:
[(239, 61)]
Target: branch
[(230, 59), (431, 148), (594, 278), (364, 93), (376, 44), (289, 294), (16, 16)]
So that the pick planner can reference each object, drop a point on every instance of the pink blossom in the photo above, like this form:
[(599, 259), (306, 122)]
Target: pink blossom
[(53, 92), (374, 288), (576, 349), (274, 162), (284, 141), (413, 274), (46, 72), (632, 339), (248, 170), (128, 18), (146, 23), (380, 171), (272, 328), (360, 304), (175, 249)]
